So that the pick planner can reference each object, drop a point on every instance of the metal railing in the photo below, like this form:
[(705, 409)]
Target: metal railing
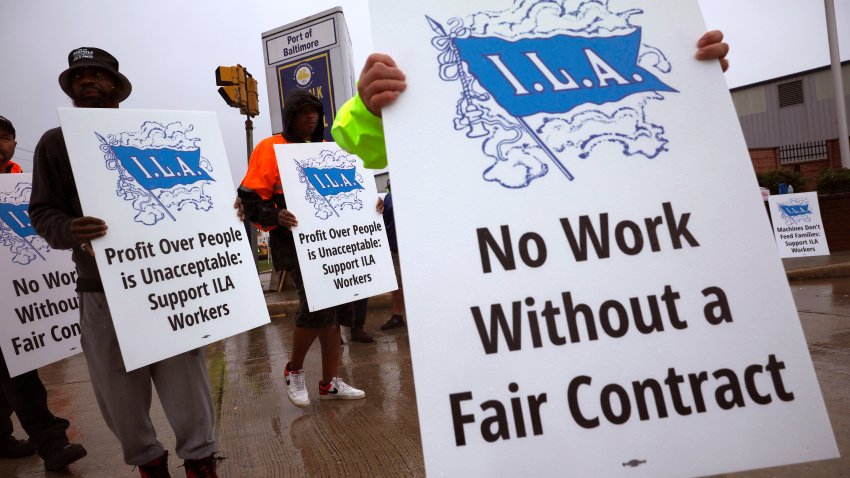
[(803, 152)]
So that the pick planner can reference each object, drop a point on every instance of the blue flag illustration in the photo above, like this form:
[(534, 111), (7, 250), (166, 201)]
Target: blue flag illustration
[(332, 181), (162, 168), (16, 217), (558, 73), (794, 210)]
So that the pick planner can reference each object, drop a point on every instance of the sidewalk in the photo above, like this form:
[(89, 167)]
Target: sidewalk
[(260, 433), (834, 265)]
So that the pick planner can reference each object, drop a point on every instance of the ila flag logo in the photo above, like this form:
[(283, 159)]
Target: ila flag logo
[(795, 211), (161, 170), (16, 217), (547, 82), (556, 74), (16, 231), (332, 183)]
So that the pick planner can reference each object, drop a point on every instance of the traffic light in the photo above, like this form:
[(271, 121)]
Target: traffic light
[(252, 97), (232, 82), (238, 88)]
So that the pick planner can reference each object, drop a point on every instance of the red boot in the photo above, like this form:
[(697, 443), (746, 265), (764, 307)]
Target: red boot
[(203, 468), (157, 468)]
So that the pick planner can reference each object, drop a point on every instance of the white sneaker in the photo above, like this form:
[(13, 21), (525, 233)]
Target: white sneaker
[(296, 387), (336, 389)]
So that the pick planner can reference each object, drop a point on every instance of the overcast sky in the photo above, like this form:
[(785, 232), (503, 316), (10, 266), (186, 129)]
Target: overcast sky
[(169, 50)]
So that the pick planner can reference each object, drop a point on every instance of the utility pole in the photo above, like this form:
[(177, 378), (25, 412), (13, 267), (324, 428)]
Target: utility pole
[(239, 90), (840, 109)]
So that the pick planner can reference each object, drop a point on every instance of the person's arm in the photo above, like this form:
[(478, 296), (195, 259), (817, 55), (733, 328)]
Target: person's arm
[(260, 212), (359, 132), (265, 213), (51, 201), (257, 191), (358, 128)]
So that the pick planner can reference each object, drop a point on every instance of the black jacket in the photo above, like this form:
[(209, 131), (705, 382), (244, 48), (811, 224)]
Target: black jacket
[(263, 212)]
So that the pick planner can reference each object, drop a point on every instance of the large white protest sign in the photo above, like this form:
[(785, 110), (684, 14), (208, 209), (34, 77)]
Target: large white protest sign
[(176, 265), (582, 301), (340, 238), (39, 313), (797, 225)]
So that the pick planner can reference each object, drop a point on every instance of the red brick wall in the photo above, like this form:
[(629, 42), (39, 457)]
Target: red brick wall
[(764, 159), (834, 153), (767, 159), (835, 212)]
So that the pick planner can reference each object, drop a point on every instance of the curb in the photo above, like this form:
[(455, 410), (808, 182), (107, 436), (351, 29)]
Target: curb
[(821, 272), (289, 308), (285, 309)]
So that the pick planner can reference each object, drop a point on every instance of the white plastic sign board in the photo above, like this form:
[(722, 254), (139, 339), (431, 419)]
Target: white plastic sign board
[(340, 239), (797, 225), (176, 264), (40, 307), (578, 301), (303, 40)]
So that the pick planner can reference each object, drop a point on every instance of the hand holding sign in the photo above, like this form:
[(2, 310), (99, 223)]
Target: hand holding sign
[(381, 81), (87, 228), (286, 219), (710, 47)]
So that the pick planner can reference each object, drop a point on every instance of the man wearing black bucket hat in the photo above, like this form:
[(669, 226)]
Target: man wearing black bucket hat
[(93, 80)]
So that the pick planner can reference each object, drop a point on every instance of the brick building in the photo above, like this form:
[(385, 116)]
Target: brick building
[(790, 122)]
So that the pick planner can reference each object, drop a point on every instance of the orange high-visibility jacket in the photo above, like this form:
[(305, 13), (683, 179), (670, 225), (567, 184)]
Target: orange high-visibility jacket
[(12, 168), (263, 177)]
